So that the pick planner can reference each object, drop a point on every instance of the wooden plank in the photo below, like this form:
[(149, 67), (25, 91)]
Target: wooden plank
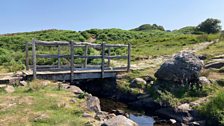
[(102, 62), (85, 54), (59, 53), (129, 57), (108, 56), (116, 57), (115, 45), (52, 56), (71, 61), (34, 59), (27, 56)]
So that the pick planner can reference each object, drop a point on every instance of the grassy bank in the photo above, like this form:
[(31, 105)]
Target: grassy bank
[(41, 104)]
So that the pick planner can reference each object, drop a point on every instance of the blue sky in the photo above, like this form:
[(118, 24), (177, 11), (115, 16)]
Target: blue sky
[(32, 15)]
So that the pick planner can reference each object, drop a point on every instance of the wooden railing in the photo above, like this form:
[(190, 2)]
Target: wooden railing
[(72, 45)]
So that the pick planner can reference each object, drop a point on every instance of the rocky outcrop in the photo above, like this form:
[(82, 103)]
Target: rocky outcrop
[(204, 80), (119, 121), (138, 83), (93, 104), (184, 67)]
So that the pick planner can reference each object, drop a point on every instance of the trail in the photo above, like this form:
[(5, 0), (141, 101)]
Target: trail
[(155, 62)]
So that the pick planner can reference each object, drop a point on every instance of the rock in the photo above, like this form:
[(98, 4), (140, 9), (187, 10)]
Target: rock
[(183, 67), (9, 89), (146, 103), (75, 89), (120, 112), (172, 121), (73, 100), (148, 79), (103, 116), (93, 104), (180, 116), (119, 121), (202, 57), (41, 117), (184, 107), (204, 80), (216, 64), (23, 83), (138, 83), (87, 115), (3, 85)]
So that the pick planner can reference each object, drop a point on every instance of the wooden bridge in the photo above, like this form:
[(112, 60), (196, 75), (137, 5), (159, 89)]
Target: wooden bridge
[(72, 70)]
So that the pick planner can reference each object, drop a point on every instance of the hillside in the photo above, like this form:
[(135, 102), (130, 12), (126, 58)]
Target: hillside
[(144, 44)]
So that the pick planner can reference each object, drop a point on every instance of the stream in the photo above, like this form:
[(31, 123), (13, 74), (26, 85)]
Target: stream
[(138, 116)]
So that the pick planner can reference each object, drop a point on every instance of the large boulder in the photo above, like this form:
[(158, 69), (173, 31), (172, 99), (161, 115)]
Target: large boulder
[(183, 67), (119, 120), (93, 104)]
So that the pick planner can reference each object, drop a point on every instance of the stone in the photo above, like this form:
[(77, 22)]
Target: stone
[(172, 121), (75, 89), (87, 115), (179, 116), (119, 121), (204, 80), (41, 117), (23, 83), (93, 104), (202, 57), (148, 79), (183, 67), (138, 83), (9, 89), (184, 107), (216, 64), (103, 116)]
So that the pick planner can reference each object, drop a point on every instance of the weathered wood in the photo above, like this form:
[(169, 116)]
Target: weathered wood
[(85, 54), (51, 56), (34, 59), (108, 56), (59, 53), (102, 62), (72, 61), (115, 45), (27, 56), (116, 57), (129, 57)]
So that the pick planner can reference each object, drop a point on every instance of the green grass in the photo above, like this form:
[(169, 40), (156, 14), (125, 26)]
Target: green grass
[(28, 104), (153, 43), (213, 110)]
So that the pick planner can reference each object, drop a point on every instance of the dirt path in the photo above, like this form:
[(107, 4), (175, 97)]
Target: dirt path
[(155, 62)]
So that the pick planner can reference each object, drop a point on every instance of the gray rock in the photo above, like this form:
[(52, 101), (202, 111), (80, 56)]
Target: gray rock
[(138, 83), (9, 89), (87, 115), (75, 90), (172, 121), (180, 116), (183, 67), (23, 83), (93, 104), (119, 121), (103, 116), (204, 80), (216, 64)]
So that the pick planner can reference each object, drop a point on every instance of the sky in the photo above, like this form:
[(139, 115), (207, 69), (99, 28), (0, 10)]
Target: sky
[(79, 15)]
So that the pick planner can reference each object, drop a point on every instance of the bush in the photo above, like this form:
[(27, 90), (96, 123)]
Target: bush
[(214, 110)]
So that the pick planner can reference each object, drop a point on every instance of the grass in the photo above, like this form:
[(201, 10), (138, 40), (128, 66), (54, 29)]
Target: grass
[(213, 50), (40, 106)]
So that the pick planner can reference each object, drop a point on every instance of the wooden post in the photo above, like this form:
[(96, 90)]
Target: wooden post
[(59, 59), (103, 57), (129, 57), (108, 58), (71, 61), (34, 59), (85, 54), (27, 56)]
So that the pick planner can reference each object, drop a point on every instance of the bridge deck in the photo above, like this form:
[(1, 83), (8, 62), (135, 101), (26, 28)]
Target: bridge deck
[(77, 74)]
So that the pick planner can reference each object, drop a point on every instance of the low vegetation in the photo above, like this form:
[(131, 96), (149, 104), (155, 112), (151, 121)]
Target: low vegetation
[(39, 104)]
